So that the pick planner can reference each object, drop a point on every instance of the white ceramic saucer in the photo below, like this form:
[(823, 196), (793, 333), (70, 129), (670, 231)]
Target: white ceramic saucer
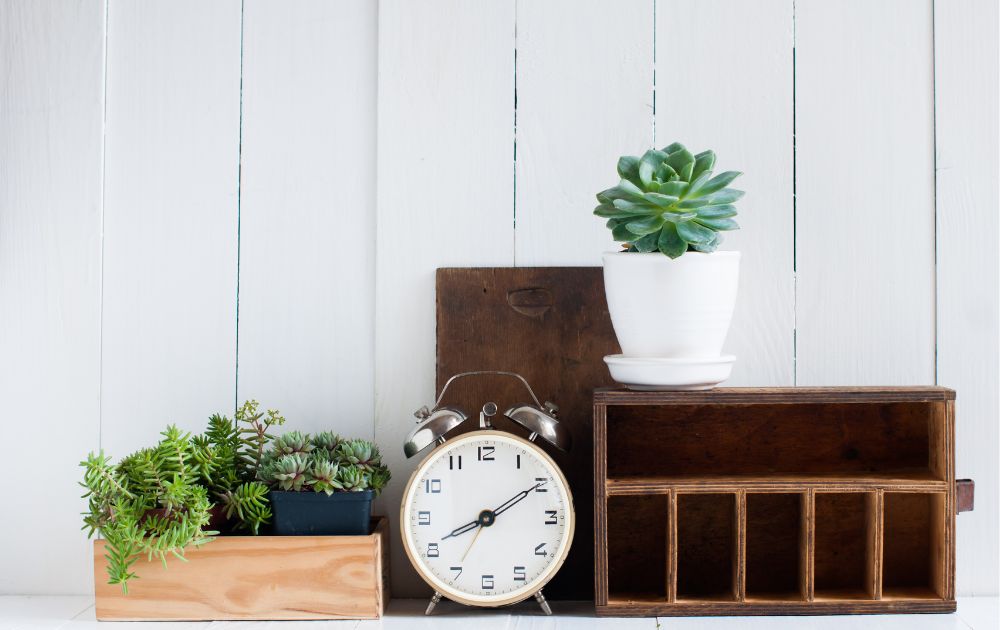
[(654, 374)]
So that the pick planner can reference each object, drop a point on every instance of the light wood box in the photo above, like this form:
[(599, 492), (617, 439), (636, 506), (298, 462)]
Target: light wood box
[(775, 501), (256, 577)]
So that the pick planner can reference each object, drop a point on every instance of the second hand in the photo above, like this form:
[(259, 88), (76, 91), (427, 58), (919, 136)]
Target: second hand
[(474, 539)]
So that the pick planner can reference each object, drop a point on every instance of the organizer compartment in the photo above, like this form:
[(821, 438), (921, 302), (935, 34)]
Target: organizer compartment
[(890, 439), (914, 532), (774, 541), (637, 549), (706, 546), (842, 551)]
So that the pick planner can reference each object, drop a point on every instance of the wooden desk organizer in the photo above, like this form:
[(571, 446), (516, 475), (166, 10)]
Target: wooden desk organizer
[(774, 501)]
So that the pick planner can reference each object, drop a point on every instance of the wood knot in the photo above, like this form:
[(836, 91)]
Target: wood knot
[(531, 302)]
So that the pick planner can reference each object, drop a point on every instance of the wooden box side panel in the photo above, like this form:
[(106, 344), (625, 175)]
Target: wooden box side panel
[(247, 577)]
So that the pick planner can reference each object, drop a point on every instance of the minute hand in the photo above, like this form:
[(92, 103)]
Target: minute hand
[(517, 498)]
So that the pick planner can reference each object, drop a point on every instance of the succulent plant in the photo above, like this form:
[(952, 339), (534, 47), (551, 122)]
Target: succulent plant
[(324, 477), (289, 472), (362, 453), (668, 201), (293, 442), (323, 463)]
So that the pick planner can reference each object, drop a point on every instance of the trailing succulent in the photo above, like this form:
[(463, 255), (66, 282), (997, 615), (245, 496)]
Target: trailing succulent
[(158, 501), (323, 463), (668, 201)]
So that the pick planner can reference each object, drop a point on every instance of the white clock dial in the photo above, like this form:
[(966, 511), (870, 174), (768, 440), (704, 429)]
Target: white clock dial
[(487, 518)]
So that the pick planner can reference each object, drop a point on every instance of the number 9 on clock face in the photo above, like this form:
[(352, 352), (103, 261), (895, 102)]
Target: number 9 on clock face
[(487, 518)]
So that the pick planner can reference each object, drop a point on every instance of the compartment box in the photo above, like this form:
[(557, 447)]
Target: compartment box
[(818, 500), (256, 577)]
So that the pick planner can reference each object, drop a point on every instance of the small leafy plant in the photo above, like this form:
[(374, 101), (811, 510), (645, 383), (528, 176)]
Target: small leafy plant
[(158, 501), (668, 201), (298, 462)]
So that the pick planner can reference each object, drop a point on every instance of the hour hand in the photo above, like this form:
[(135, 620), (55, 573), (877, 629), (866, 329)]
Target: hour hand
[(468, 527)]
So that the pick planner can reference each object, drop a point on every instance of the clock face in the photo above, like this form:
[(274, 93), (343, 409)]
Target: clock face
[(487, 518)]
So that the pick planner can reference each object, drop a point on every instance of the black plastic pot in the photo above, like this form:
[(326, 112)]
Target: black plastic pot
[(320, 514)]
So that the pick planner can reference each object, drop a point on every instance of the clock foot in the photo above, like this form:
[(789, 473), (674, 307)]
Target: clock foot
[(544, 604), (434, 602)]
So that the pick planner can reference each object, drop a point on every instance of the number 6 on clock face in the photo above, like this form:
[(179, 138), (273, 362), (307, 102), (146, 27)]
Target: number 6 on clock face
[(487, 518)]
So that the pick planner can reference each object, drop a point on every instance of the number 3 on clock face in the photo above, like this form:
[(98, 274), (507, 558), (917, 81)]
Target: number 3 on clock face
[(487, 518)]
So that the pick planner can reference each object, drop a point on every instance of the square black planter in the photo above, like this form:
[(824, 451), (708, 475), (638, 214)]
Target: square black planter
[(319, 514)]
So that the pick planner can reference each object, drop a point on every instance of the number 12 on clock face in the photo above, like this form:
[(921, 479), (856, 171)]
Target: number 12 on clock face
[(487, 518)]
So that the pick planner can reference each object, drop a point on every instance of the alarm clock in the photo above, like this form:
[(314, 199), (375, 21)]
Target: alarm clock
[(487, 517)]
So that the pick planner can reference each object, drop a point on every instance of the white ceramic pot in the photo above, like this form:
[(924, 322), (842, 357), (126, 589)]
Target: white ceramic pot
[(676, 309)]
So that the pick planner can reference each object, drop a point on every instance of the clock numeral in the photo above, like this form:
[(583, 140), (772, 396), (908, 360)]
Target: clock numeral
[(519, 462), (453, 460), (458, 571), (486, 453), (550, 517), (540, 550), (520, 575), (423, 518), (432, 486), (432, 550), (541, 480), (487, 582)]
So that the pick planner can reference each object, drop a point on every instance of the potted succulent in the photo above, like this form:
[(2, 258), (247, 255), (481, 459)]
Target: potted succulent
[(670, 292), (322, 484)]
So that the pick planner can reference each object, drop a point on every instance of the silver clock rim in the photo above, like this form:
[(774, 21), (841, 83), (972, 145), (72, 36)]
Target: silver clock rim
[(459, 596)]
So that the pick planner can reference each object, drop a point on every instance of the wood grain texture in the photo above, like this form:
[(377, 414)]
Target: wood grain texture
[(560, 64), (445, 115), (965, 122), (804, 530), (864, 237), (51, 111), (551, 325), (170, 218), (307, 212), (735, 97), (255, 577)]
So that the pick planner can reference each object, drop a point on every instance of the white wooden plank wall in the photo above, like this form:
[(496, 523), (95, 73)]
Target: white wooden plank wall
[(584, 97), (170, 217), (734, 96), (445, 195), (51, 108), (307, 212), (277, 182), (864, 241), (965, 63)]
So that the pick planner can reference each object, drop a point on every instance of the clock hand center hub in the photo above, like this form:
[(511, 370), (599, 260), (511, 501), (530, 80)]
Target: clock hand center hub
[(487, 518)]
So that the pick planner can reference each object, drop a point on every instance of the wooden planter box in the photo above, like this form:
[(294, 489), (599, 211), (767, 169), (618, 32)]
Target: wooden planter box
[(256, 577), (775, 501)]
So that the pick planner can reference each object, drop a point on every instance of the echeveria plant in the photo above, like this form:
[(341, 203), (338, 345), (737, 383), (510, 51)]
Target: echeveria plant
[(668, 201)]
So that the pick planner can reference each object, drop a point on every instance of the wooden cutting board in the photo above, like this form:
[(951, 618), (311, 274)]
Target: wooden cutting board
[(551, 326)]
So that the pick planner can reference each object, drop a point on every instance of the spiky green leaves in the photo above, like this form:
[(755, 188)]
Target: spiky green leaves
[(668, 201)]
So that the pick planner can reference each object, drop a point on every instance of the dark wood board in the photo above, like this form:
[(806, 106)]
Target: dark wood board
[(551, 325)]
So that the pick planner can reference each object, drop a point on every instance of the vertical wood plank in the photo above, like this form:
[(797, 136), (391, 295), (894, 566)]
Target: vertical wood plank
[(51, 111), (807, 546), (874, 535), (966, 69), (307, 212), (170, 217), (672, 547), (724, 86), (865, 192), (445, 118), (600, 504), (740, 547), (584, 97)]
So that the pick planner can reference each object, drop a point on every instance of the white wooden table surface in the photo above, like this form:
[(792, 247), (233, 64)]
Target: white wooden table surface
[(77, 613)]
